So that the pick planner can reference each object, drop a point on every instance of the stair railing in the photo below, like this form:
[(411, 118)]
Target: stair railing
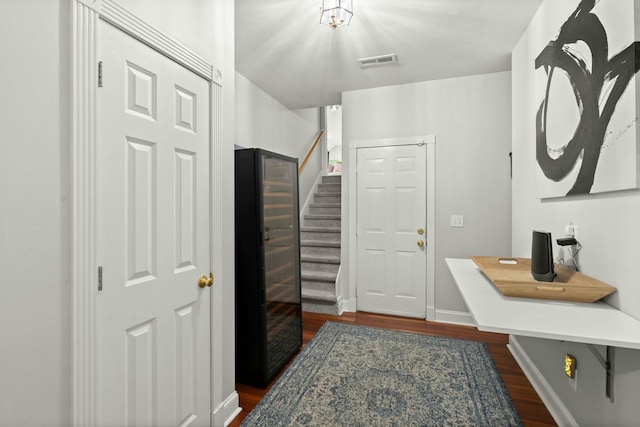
[(310, 152)]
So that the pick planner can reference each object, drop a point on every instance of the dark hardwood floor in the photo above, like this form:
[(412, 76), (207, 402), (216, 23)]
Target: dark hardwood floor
[(529, 406)]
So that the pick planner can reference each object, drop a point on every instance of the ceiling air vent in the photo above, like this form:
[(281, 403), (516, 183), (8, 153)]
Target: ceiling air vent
[(377, 60)]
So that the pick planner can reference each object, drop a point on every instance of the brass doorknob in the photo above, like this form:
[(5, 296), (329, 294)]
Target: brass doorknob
[(205, 281), (202, 281), (421, 243), (421, 231)]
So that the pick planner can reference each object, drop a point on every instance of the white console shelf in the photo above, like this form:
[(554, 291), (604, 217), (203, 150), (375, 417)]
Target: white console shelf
[(589, 323)]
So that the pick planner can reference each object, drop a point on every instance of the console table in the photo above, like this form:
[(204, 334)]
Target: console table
[(589, 323)]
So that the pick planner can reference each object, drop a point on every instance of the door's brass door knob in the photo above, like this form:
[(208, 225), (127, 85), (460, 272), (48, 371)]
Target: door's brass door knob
[(421, 231), (421, 243), (202, 281), (205, 281)]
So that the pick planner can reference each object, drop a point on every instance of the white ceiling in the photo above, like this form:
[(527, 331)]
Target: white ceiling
[(283, 49)]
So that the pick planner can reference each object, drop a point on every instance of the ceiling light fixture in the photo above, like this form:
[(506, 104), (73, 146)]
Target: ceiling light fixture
[(336, 13)]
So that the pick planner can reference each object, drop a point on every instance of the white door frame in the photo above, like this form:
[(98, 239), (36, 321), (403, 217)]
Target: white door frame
[(84, 274), (430, 142)]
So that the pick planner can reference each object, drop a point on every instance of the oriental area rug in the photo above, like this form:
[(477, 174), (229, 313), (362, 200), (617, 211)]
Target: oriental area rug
[(360, 376)]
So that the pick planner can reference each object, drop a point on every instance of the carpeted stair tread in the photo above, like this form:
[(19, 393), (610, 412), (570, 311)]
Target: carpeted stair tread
[(326, 198), (322, 229), (316, 295), (329, 193), (335, 177), (325, 205), (329, 188), (322, 216), (321, 243), (318, 276), (327, 259)]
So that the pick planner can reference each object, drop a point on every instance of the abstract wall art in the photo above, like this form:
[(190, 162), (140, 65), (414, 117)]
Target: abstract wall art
[(586, 137)]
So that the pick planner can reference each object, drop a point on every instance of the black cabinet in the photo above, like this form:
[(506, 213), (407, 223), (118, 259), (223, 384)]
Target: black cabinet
[(267, 238)]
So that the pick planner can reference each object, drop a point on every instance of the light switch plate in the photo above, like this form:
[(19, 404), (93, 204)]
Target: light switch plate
[(457, 220)]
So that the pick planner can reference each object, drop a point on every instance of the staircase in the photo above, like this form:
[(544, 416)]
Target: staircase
[(320, 248)]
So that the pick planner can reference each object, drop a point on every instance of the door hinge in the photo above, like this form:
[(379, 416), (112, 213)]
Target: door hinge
[(99, 278), (100, 74)]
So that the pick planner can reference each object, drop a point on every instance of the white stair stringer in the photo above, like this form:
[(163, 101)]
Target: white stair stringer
[(320, 248)]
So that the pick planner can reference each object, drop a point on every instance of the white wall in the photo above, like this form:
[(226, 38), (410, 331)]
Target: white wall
[(334, 133), (470, 118), (35, 299), (262, 122), (221, 53), (190, 22), (607, 229), (35, 182)]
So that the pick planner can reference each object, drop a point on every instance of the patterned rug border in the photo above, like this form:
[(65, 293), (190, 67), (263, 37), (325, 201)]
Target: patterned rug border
[(283, 400)]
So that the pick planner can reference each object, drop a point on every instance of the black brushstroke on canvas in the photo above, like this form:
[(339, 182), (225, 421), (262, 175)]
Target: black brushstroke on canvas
[(587, 83)]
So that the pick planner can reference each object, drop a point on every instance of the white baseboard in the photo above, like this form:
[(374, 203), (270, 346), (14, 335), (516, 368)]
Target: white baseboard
[(442, 316), (455, 317), (431, 313), (554, 405), (347, 305), (227, 411)]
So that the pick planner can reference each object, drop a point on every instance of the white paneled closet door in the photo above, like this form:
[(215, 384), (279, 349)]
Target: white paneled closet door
[(391, 230), (153, 318)]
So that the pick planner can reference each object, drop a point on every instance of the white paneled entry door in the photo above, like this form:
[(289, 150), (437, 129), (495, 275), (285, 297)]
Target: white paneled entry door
[(152, 160), (391, 230)]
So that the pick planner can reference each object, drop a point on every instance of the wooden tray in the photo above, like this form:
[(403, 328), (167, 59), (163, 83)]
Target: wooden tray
[(512, 277)]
